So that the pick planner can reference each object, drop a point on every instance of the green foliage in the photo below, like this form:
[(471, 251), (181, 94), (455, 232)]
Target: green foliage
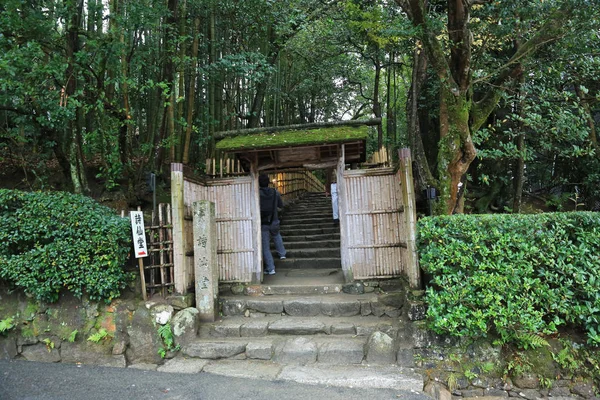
[(518, 365), (166, 334), (97, 337), (577, 360), (60, 241), (49, 344), (452, 381), (6, 324), (73, 336), (514, 277), (531, 341)]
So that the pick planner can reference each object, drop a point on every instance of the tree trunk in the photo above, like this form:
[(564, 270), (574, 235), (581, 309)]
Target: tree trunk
[(391, 100), (212, 57), (73, 135), (459, 114), (456, 149), (168, 76), (424, 176), (261, 87), (588, 115), (377, 104), (519, 172), (191, 92)]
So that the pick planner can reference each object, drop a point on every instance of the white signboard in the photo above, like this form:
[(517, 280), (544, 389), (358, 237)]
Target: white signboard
[(139, 235)]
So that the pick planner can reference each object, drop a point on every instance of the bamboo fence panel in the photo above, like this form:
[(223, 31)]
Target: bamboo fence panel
[(234, 217), (293, 184), (236, 213), (375, 236), (223, 166)]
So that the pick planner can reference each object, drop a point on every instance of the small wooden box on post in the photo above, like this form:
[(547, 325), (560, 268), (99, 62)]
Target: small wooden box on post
[(205, 260)]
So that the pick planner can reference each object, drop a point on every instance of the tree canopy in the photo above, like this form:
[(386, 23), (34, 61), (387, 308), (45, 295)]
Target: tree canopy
[(497, 100)]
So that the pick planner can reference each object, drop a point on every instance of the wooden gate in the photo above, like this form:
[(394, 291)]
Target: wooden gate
[(377, 222), (237, 225)]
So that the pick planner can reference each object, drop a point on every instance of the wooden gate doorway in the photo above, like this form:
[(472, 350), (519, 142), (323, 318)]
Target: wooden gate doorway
[(377, 218)]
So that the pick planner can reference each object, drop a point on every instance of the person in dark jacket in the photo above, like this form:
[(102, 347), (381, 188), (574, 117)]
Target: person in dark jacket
[(270, 200)]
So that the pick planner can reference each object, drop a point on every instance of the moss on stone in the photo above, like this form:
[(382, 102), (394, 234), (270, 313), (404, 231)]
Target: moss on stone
[(340, 134), (27, 332)]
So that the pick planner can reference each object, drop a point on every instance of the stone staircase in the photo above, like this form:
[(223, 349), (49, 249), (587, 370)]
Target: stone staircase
[(310, 237), (299, 325)]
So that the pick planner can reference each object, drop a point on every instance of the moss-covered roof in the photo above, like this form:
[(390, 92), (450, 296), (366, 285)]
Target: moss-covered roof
[(294, 138)]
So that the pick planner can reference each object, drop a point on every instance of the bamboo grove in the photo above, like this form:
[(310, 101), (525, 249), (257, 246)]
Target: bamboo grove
[(107, 90)]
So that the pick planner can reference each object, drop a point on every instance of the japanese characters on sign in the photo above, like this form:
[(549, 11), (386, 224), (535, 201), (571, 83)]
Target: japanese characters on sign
[(139, 235)]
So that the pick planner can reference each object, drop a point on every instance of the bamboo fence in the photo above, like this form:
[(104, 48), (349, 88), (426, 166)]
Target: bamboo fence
[(291, 185), (158, 267), (238, 218), (374, 231)]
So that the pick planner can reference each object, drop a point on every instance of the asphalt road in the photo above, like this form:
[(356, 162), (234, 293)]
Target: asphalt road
[(44, 381)]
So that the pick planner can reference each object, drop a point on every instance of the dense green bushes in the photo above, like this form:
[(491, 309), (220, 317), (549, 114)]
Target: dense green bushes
[(55, 241), (514, 276)]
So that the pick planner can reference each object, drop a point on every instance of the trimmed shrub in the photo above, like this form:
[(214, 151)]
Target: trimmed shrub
[(54, 240), (514, 276)]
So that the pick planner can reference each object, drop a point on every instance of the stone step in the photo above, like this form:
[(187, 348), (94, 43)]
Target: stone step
[(303, 253), (284, 350), (329, 305), (308, 231), (301, 342), (311, 206), (307, 209), (308, 214), (300, 263), (393, 378), (271, 324), (289, 245), (295, 226), (295, 237), (378, 349), (313, 217)]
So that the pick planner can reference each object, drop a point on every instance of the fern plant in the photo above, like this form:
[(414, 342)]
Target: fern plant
[(166, 334), (102, 334), (531, 341), (7, 324), (73, 336)]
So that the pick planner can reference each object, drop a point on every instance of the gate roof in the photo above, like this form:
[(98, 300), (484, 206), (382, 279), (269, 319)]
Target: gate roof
[(308, 148)]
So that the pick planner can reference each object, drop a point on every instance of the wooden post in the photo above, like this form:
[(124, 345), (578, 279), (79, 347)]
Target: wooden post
[(205, 260), (256, 237), (410, 214), (181, 281), (342, 210)]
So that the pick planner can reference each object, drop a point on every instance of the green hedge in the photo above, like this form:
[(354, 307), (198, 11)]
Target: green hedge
[(53, 241), (513, 276)]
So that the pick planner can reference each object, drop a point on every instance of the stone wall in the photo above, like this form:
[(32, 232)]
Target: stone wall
[(119, 334), (456, 369)]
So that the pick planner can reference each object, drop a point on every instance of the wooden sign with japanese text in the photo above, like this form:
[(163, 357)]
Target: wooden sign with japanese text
[(139, 235)]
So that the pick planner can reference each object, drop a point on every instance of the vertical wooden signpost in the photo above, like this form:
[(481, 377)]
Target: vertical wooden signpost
[(205, 260), (139, 244)]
